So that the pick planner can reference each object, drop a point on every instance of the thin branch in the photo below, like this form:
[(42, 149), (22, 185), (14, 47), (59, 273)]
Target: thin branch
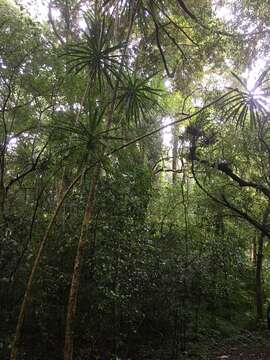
[(175, 43), (241, 182), (187, 11), (225, 169), (28, 171), (160, 48), (247, 217), (224, 202), (188, 117), (178, 27)]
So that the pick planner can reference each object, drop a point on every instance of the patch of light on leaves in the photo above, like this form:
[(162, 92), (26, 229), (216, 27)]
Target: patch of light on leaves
[(82, 24), (168, 84), (167, 132), (213, 81), (12, 144), (83, 13), (37, 8), (223, 10), (2, 65), (197, 102), (56, 13), (252, 74)]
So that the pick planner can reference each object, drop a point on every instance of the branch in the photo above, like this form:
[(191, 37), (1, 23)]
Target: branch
[(178, 27), (247, 217), (241, 182), (160, 48), (168, 170), (175, 43), (28, 171), (187, 11), (224, 202), (225, 169), (199, 22), (188, 117)]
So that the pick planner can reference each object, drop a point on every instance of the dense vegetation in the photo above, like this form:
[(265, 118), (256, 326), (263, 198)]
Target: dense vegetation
[(113, 244)]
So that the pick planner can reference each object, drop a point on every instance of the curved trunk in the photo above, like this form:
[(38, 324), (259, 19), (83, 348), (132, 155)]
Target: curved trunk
[(27, 294), (75, 282), (174, 154), (88, 214), (258, 284), (259, 264)]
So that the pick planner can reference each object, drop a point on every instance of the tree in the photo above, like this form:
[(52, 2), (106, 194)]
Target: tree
[(97, 215)]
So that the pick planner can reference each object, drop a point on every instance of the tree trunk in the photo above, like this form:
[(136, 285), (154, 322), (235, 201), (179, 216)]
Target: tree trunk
[(60, 197), (27, 294), (2, 205), (254, 251), (2, 185), (88, 213), (116, 289), (75, 282), (258, 283), (174, 154), (259, 264)]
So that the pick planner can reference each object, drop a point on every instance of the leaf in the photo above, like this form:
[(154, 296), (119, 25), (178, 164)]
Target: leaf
[(96, 53), (137, 98), (242, 82)]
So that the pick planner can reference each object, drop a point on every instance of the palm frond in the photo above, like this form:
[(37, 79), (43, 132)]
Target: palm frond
[(137, 97), (245, 106), (96, 52), (241, 81)]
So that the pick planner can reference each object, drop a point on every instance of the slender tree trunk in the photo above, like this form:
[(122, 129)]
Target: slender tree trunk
[(60, 197), (2, 185), (116, 289), (259, 264), (2, 205), (254, 251), (258, 283), (197, 313), (27, 294), (174, 154), (89, 209), (75, 282)]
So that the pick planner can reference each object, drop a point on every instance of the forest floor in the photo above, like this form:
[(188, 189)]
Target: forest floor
[(250, 346), (240, 353)]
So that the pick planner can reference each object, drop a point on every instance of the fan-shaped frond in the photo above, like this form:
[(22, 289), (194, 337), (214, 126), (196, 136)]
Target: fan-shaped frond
[(96, 52), (137, 98), (244, 106)]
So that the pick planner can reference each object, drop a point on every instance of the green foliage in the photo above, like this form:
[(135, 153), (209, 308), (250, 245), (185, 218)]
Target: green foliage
[(96, 52), (169, 265), (137, 99), (248, 106)]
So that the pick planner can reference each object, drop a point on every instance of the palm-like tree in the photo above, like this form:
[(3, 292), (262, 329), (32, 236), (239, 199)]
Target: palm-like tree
[(97, 53), (137, 99), (106, 66), (247, 106)]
